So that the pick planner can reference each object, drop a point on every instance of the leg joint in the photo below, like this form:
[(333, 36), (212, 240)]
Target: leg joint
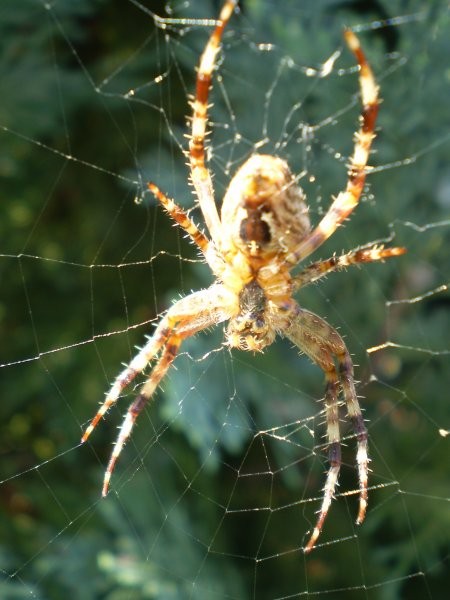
[(334, 454)]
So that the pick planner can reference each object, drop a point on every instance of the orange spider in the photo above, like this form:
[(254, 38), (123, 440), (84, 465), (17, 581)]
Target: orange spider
[(263, 232)]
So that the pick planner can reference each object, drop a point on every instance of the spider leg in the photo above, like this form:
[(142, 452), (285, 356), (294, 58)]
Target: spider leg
[(319, 269), (347, 200), (199, 173), (324, 346), (189, 315), (198, 237), (334, 447), (167, 357), (136, 366)]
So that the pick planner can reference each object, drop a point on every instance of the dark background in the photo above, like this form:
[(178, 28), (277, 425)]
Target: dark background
[(210, 497)]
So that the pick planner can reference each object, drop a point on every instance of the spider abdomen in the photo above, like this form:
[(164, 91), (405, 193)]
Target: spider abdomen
[(264, 208), (254, 229)]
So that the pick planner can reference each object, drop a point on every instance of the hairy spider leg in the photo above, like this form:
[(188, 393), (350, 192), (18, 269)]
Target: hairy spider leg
[(186, 317), (199, 173), (168, 355), (347, 200), (136, 366), (183, 220), (319, 269), (334, 442), (199, 313), (354, 412), (324, 346)]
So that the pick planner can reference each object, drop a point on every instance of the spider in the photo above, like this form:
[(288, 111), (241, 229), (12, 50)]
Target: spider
[(263, 232)]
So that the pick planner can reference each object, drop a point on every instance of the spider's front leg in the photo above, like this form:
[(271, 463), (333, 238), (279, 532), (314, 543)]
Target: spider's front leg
[(189, 315), (325, 347)]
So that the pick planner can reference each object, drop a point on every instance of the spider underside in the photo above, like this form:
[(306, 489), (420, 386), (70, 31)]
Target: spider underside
[(262, 233)]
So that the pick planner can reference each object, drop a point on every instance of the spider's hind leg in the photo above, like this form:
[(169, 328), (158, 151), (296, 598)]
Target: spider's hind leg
[(346, 201), (200, 175)]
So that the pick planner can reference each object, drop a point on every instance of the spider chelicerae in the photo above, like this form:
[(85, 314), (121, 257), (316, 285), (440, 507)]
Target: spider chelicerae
[(262, 233)]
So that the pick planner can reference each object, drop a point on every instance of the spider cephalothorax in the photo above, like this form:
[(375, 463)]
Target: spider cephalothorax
[(262, 234)]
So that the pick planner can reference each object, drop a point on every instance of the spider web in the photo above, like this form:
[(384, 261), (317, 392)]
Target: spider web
[(215, 493)]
